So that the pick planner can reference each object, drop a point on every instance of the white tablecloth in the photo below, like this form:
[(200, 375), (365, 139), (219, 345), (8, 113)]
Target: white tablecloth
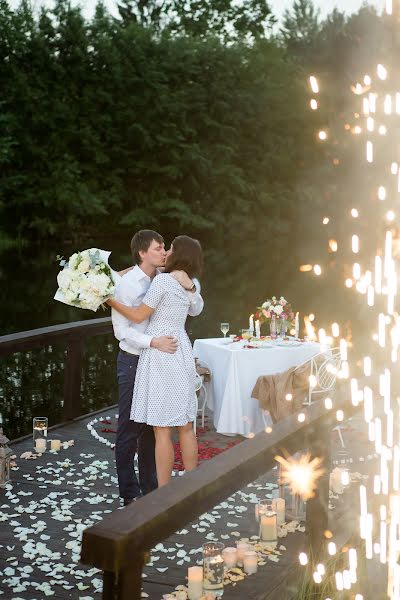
[(234, 372)]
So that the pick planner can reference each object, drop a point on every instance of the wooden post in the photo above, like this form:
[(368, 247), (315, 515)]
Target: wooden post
[(318, 506), (108, 585), (130, 579), (72, 378)]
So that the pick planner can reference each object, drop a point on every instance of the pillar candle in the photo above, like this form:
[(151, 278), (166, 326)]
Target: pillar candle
[(230, 556), (55, 445), (278, 505), (40, 445), (195, 583), (242, 547), (258, 333), (250, 562), (251, 324), (268, 527)]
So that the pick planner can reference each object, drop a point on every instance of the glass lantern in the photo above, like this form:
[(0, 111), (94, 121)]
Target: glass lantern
[(40, 427)]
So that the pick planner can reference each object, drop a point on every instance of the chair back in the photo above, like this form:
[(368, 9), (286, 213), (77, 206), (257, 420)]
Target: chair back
[(327, 371), (198, 382)]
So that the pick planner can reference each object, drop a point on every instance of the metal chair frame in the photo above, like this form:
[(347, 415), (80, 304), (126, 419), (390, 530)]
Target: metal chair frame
[(200, 387)]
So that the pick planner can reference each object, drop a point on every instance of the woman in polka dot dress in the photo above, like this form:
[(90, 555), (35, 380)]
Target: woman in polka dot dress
[(164, 394)]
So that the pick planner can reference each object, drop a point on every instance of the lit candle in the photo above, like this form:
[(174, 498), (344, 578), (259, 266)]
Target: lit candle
[(230, 556), (296, 326), (242, 547), (55, 445), (40, 445), (250, 562), (251, 324), (268, 527), (195, 583), (278, 505), (258, 334)]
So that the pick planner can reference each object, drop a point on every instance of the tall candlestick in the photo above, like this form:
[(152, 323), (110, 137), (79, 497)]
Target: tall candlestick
[(195, 583), (296, 326), (251, 324), (258, 334)]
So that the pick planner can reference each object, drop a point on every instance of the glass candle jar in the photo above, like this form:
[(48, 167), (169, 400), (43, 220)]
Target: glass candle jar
[(213, 568), (40, 427)]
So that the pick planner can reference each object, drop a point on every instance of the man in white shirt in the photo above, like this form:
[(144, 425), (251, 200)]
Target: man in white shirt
[(148, 255)]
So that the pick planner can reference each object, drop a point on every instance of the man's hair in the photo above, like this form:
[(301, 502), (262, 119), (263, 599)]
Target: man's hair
[(141, 243), (187, 255)]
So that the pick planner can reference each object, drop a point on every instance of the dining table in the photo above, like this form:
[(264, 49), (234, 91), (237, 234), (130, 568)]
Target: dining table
[(235, 367)]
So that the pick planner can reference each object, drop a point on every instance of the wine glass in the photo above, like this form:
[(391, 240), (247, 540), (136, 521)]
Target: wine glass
[(224, 328)]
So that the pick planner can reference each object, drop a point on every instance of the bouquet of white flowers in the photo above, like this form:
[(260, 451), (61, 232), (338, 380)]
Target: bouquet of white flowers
[(86, 280)]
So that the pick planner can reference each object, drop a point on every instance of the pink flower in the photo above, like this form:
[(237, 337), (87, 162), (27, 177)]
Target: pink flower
[(267, 314), (283, 302)]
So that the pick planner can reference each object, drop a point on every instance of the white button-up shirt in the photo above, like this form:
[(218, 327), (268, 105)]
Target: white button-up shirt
[(130, 291)]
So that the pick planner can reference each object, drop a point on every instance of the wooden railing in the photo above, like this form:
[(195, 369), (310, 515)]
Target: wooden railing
[(117, 545), (73, 336)]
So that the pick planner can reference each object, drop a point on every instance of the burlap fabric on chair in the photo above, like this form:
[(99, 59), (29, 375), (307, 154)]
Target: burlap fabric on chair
[(271, 391)]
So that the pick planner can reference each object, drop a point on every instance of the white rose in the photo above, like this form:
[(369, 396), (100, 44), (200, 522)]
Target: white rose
[(266, 304), (278, 309), (64, 278), (84, 266), (70, 296), (73, 261)]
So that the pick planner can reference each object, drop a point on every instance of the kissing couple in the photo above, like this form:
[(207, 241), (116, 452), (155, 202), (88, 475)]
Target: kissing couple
[(155, 366)]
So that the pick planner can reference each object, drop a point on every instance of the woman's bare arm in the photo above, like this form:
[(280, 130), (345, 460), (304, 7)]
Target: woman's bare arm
[(136, 315)]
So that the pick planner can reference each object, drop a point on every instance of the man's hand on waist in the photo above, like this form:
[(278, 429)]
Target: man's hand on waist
[(165, 343)]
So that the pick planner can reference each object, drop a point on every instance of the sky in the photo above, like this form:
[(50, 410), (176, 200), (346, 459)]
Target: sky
[(278, 6), (325, 6)]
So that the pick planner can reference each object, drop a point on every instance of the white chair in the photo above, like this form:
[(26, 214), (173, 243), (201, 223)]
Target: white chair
[(324, 371), (200, 387)]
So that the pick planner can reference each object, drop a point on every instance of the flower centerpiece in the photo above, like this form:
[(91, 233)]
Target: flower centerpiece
[(280, 309)]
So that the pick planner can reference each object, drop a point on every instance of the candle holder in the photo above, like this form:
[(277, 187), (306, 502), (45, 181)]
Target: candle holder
[(242, 547), (213, 568), (250, 562), (268, 522), (279, 505), (230, 556), (40, 427)]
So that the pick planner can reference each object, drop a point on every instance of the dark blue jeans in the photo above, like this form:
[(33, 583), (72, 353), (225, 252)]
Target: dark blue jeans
[(132, 437)]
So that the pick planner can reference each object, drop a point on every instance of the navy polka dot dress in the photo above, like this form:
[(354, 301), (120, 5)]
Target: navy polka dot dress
[(164, 392)]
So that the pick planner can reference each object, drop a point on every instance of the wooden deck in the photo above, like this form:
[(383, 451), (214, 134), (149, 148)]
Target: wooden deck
[(53, 498)]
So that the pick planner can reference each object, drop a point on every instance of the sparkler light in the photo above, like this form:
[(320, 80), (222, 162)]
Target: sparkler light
[(381, 72), (301, 474), (314, 84), (381, 193)]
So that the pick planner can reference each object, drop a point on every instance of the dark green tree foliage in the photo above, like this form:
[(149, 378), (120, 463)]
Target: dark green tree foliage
[(105, 124)]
